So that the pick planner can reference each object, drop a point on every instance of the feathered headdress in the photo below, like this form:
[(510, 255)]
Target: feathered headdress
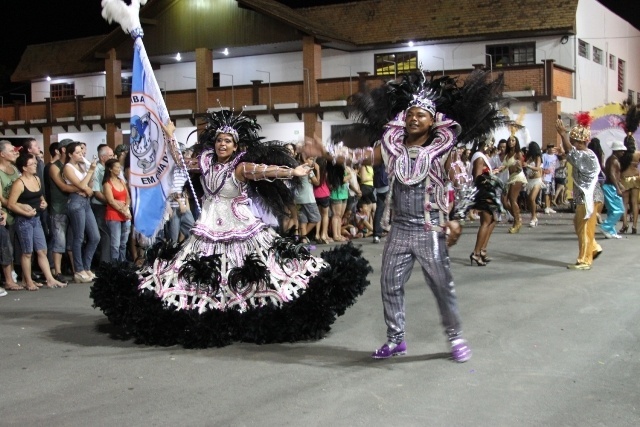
[(243, 129), (475, 104), (582, 131)]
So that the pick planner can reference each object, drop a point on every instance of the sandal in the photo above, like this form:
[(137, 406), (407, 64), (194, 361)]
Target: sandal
[(57, 285), (15, 287), (31, 287), (484, 256)]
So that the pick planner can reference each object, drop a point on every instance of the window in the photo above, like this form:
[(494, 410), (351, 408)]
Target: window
[(62, 90), (511, 54), (597, 55), (394, 64), (612, 62), (583, 48), (126, 83), (631, 95), (621, 65)]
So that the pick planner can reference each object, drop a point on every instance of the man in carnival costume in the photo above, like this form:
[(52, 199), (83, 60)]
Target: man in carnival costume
[(585, 177), (415, 147)]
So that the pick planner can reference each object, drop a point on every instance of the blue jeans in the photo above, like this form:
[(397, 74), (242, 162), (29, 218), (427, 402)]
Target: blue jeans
[(99, 212), (83, 223), (180, 223), (30, 234), (61, 234), (119, 236)]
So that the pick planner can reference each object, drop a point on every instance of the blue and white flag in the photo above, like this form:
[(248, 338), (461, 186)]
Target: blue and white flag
[(151, 162)]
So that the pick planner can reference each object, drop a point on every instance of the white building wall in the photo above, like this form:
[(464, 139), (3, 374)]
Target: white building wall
[(92, 139), (597, 84), (88, 86)]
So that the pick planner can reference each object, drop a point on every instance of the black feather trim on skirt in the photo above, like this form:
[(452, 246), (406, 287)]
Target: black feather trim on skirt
[(143, 317)]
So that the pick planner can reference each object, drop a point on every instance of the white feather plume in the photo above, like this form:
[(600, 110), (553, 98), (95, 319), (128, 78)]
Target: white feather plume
[(127, 15)]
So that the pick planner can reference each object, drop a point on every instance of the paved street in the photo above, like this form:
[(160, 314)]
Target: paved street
[(551, 347)]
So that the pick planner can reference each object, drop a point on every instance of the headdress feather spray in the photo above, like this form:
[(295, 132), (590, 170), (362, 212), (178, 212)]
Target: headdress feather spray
[(475, 104), (631, 122)]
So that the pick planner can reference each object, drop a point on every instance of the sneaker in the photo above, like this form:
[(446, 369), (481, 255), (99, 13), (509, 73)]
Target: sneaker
[(460, 350), (580, 266), (3, 293), (549, 211), (390, 349), (376, 239), (615, 236)]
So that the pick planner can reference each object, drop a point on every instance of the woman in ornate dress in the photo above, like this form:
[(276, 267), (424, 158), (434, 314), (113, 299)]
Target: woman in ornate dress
[(234, 278)]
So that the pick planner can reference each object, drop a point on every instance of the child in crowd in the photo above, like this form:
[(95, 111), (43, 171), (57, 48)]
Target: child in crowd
[(363, 222)]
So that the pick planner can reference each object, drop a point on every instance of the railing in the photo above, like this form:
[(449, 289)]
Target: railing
[(74, 112)]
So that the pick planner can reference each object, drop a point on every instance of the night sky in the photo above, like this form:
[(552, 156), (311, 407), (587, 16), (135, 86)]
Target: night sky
[(25, 23)]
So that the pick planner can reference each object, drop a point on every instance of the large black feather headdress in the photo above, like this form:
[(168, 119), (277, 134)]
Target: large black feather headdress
[(631, 123), (244, 129), (475, 104)]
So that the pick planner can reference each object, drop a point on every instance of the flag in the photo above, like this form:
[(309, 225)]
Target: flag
[(151, 162)]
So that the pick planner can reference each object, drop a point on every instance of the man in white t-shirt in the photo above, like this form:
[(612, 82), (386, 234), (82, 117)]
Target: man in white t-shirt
[(549, 161)]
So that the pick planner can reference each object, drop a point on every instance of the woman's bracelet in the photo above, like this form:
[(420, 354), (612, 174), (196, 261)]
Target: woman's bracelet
[(259, 169), (351, 157)]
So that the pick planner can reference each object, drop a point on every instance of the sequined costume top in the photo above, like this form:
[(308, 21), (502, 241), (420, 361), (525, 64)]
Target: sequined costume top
[(417, 173), (231, 218), (228, 229), (585, 177)]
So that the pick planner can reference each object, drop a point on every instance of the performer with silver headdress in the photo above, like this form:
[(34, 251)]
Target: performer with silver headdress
[(417, 139)]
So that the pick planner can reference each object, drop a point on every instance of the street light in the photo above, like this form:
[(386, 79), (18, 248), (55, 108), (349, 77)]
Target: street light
[(269, 74), (233, 99)]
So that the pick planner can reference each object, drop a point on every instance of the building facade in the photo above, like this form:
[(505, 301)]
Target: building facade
[(294, 69)]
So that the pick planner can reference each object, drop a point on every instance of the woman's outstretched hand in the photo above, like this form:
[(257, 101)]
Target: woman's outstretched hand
[(302, 170)]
